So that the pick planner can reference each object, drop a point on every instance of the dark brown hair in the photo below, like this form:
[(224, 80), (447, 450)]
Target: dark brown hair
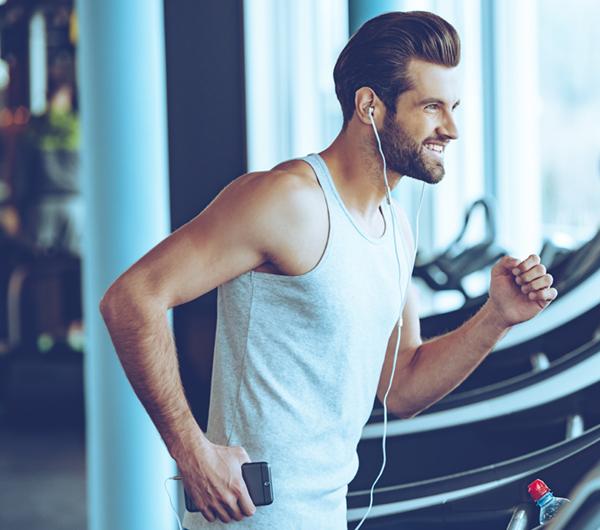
[(377, 55)]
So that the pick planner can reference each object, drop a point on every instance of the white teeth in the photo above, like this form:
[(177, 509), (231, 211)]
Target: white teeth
[(435, 147)]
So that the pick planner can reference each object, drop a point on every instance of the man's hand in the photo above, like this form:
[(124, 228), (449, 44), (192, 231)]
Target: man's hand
[(212, 477), (519, 290)]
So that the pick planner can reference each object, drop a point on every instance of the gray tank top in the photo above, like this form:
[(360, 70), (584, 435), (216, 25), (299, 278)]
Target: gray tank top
[(296, 365)]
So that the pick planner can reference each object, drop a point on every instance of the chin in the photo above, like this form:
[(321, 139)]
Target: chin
[(429, 175), (420, 169), (436, 177), (435, 173)]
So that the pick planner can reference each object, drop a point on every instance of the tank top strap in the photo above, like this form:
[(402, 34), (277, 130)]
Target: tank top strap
[(338, 207), (324, 178)]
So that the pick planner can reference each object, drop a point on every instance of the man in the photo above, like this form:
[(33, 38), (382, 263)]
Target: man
[(309, 297)]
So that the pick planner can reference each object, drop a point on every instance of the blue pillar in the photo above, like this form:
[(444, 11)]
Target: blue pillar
[(359, 11), (121, 69), (489, 58)]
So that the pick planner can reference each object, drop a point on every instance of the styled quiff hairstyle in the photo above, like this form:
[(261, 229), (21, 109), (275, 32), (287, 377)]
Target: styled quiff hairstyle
[(377, 55)]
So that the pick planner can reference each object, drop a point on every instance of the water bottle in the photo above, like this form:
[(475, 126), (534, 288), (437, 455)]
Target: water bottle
[(549, 504)]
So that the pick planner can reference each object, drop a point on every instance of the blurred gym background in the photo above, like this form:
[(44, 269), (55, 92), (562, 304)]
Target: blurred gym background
[(120, 121)]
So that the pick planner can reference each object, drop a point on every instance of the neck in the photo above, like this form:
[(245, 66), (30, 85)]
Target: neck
[(356, 167)]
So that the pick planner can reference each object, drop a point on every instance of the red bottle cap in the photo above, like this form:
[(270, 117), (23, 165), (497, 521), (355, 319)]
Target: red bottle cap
[(537, 489)]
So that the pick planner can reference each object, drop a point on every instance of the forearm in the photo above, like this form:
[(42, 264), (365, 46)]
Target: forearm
[(443, 363), (144, 343)]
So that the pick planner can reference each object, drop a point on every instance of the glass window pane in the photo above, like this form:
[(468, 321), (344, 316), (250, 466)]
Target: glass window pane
[(569, 77)]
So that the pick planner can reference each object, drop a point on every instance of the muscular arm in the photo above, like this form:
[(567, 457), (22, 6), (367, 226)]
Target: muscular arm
[(247, 224), (236, 233), (140, 332), (429, 371), (426, 372)]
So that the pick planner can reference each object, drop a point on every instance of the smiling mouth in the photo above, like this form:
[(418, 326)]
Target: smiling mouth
[(436, 149)]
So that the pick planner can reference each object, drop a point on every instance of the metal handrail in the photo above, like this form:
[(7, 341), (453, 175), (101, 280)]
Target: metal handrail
[(519, 519)]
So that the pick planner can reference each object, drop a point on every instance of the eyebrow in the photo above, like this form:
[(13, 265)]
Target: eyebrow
[(427, 101)]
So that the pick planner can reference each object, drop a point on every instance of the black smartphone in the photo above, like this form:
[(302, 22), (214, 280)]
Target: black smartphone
[(257, 476)]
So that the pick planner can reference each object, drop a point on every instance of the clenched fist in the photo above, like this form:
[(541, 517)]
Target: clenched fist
[(519, 290)]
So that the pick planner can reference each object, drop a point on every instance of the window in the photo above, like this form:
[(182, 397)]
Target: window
[(548, 108), (290, 52), (569, 117)]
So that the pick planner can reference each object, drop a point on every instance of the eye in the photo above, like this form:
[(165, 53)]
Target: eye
[(432, 106)]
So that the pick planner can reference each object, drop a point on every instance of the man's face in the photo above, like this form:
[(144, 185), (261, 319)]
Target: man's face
[(413, 139)]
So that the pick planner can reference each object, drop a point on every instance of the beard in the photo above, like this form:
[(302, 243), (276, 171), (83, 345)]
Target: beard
[(406, 157)]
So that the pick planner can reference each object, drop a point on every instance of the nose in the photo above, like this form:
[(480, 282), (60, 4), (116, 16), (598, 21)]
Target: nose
[(448, 127)]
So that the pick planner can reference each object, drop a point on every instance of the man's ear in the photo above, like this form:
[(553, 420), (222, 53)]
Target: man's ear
[(365, 98)]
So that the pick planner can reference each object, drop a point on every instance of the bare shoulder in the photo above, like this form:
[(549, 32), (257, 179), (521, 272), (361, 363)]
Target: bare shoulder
[(277, 211), (289, 191), (297, 177), (295, 217), (281, 212), (294, 179)]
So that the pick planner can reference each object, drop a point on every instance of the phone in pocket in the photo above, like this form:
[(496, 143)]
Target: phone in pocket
[(257, 476)]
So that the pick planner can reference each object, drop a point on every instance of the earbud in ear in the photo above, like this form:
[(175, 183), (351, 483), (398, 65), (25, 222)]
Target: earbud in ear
[(371, 110)]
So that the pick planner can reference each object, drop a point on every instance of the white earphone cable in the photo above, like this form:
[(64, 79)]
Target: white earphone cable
[(175, 478), (402, 300)]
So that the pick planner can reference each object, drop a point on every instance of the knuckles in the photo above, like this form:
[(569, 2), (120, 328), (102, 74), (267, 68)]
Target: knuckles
[(539, 271)]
